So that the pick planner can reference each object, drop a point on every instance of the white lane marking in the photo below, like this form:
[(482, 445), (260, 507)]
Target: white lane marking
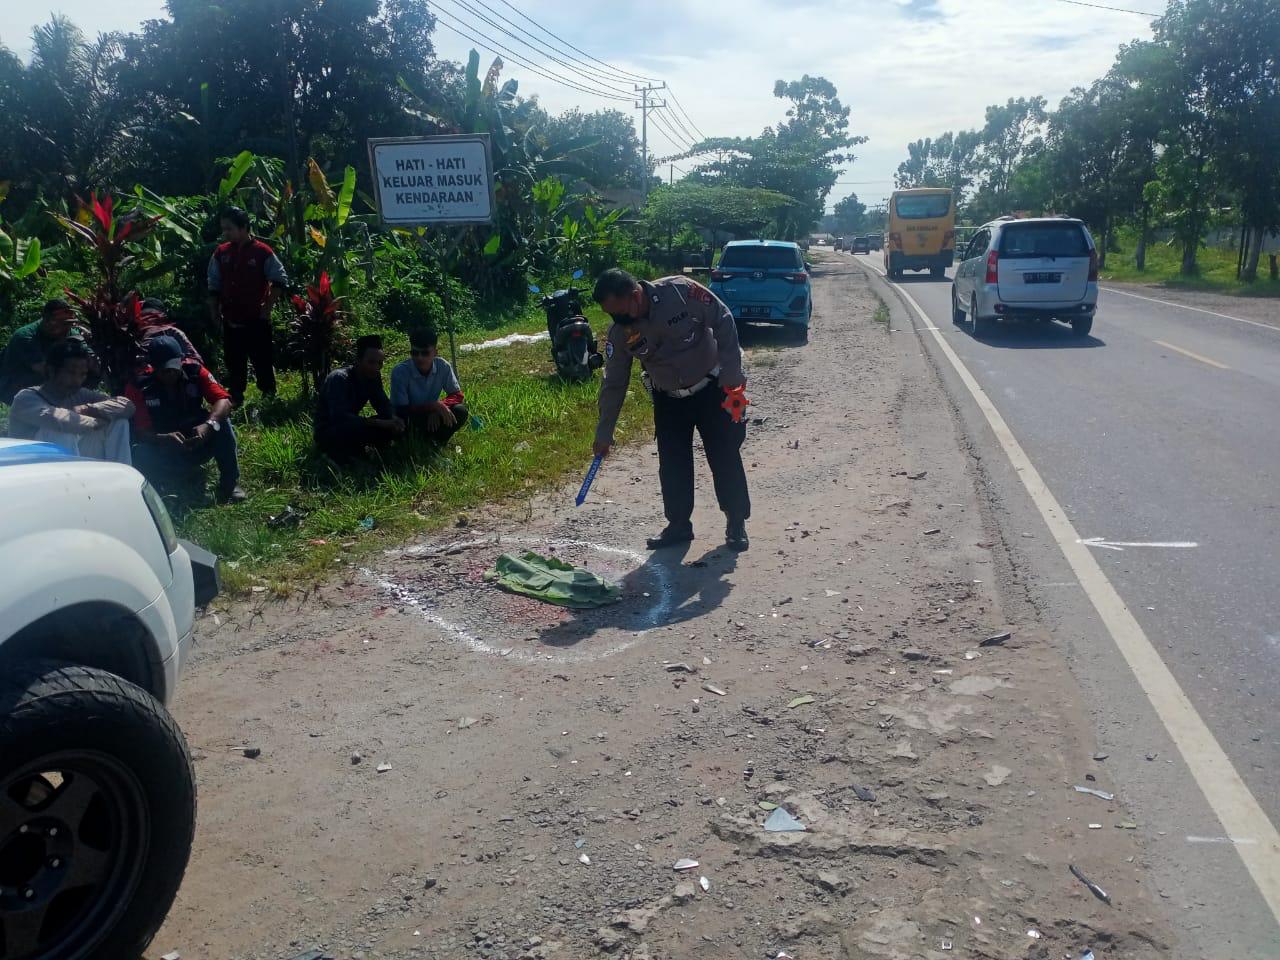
[(1121, 544), (1227, 794), (1192, 354), (658, 615), (1182, 306), (1247, 841)]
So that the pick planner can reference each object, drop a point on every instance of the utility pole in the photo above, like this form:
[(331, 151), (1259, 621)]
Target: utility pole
[(644, 106)]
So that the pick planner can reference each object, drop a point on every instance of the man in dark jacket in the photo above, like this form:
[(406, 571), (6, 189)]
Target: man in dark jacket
[(22, 362), (181, 420), (245, 279), (341, 431)]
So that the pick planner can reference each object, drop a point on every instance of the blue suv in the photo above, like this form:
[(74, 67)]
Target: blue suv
[(768, 281)]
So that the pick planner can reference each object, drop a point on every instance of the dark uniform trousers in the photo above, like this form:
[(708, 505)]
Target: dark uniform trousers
[(249, 342), (674, 420)]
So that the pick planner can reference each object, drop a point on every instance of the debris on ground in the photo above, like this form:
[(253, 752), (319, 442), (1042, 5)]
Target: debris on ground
[(780, 821), (384, 767), (252, 753), (1096, 890), (800, 701), (712, 688), (996, 640), (685, 864), (552, 580), (1100, 794)]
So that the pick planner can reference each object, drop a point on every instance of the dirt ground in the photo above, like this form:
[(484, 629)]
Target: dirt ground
[(448, 771)]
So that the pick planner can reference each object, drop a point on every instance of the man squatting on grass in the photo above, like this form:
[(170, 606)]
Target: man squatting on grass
[(417, 385), (341, 432)]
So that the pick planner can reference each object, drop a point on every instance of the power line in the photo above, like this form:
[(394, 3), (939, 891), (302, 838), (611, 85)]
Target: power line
[(680, 106), (664, 128), (1099, 6), (677, 124), (565, 43), (498, 49), (550, 55)]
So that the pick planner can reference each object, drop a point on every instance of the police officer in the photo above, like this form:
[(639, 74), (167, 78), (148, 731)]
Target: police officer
[(687, 344)]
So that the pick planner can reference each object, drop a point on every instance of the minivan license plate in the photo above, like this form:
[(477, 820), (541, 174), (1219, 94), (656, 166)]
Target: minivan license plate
[(1042, 278)]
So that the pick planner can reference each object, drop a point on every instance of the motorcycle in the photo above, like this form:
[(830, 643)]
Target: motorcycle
[(573, 344)]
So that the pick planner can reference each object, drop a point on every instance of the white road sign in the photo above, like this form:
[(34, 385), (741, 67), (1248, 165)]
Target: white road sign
[(433, 180)]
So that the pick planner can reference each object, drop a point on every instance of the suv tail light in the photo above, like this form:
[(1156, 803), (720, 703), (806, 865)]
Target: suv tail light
[(1093, 266), (993, 267), (895, 241), (796, 277)]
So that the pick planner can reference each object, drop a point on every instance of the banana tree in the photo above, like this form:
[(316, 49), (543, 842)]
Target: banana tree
[(19, 256)]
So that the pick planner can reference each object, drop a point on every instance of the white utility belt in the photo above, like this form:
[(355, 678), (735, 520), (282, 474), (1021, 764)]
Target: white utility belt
[(690, 391)]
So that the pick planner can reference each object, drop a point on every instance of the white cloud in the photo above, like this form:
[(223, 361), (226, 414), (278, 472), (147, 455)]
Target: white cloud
[(907, 68)]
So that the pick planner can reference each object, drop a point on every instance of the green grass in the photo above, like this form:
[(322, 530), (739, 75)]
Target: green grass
[(536, 429), (1217, 271), (882, 313)]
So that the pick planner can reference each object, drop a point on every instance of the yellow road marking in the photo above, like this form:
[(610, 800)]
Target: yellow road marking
[(1192, 355)]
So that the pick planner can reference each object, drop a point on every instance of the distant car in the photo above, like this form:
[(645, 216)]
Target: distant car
[(767, 281), (97, 791), (860, 245), (838, 245), (1043, 268), (876, 241)]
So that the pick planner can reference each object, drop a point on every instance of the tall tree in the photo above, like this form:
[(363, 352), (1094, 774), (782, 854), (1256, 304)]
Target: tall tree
[(1011, 135), (1226, 55), (613, 158), (798, 158), (70, 127), (291, 78), (850, 215)]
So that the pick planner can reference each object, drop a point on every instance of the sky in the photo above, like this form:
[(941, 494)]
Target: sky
[(906, 68)]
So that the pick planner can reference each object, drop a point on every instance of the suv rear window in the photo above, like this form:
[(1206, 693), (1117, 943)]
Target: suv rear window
[(1043, 240), (925, 207), (761, 258)]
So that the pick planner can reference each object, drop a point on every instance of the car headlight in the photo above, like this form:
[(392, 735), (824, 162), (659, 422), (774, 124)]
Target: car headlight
[(160, 514)]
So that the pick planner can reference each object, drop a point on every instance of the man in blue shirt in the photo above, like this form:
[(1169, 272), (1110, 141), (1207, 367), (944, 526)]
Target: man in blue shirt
[(417, 387)]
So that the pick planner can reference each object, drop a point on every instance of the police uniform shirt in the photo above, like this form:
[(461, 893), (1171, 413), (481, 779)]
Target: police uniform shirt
[(687, 335)]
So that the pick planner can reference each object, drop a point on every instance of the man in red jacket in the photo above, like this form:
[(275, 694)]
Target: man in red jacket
[(245, 278)]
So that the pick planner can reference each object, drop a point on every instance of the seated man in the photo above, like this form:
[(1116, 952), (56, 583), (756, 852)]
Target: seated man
[(416, 386), (341, 432), (175, 432), (22, 361), (63, 411)]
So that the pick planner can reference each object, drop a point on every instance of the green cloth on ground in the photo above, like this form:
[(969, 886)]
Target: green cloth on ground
[(553, 581)]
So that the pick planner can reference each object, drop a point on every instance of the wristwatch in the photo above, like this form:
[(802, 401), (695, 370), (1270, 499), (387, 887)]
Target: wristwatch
[(215, 424)]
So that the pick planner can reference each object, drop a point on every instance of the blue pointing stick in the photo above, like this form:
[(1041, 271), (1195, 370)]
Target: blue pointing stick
[(586, 484)]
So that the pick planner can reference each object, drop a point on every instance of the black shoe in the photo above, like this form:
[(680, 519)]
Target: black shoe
[(672, 536), (235, 495), (735, 536)]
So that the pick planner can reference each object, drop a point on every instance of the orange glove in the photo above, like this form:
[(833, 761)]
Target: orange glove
[(735, 402)]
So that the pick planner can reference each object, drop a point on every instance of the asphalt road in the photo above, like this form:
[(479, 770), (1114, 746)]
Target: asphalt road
[(1163, 427)]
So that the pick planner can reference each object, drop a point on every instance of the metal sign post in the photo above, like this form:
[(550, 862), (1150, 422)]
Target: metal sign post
[(444, 181)]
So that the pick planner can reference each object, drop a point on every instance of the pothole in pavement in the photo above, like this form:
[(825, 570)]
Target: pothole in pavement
[(445, 584)]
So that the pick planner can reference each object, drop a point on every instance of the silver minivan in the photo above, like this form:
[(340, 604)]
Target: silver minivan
[(1042, 268)]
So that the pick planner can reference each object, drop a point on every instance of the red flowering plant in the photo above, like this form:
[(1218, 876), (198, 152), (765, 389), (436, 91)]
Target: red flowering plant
[(109, 315), (316, 333)]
